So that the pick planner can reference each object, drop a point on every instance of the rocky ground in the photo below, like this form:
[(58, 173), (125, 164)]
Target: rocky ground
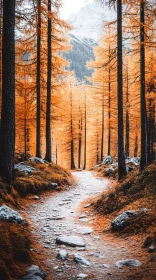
[(72, 242)]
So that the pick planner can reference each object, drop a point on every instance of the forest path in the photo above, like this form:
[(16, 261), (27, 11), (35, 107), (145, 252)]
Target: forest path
[(58, 215)]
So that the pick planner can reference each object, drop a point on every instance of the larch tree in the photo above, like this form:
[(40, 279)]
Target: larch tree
[(48, 155), (143, 120), (7, 147), (38, 82)]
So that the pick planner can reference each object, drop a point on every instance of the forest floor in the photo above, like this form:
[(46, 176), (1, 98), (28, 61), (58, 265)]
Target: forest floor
[(67, 213), (15, 239)]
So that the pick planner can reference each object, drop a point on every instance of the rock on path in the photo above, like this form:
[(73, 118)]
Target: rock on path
[(130, 262), (79, 258), (72, 241)]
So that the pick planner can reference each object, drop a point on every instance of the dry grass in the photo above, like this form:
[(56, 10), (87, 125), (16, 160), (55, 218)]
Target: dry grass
[(15, 239), (14, 250), (136, 192), (39, 181)]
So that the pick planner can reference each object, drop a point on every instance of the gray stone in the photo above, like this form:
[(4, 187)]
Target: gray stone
[(57, 218), (79, 258), (151, 249), (120, 222), (63, 255), (87, 206), (34, 273), (85, 230), (54, 185), (108, 160), (10, 215), (72, 241), (36, 159), (109, 171), (128, 262), (26, 169), (82, 276), (135, 160), (36, 197)]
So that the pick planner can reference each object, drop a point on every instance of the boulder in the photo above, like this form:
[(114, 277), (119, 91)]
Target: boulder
[(119, 223), (10, 215), (36, 159), (108, 160), (34, 273), (128, 262), (26, 169), (109, 171), (79, 258), (72, 241), (62, 255), (134, 160)]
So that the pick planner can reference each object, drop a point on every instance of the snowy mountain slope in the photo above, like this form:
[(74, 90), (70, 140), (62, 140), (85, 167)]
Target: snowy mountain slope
[(87, 27), (89, 22), (81, 52)]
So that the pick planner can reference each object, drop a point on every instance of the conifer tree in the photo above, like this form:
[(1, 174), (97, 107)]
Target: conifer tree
[(8, 92)]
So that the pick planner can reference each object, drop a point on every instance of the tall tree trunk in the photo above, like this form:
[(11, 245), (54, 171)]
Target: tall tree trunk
[(85, 135), (109, 107), (102, 129), (8, 91), (38, 82), (71, 133), (121, 156), (143, 161), (97, 146), (56, 154), (127, 119), (136, 145), (150, 130), (25, 124), (80, 141), (48, 156), (1, 29)]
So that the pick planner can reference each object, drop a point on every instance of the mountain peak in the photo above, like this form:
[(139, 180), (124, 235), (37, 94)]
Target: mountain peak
[(89, 21)]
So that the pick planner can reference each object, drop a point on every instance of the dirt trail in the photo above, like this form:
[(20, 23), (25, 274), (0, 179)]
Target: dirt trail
[(59, 215)]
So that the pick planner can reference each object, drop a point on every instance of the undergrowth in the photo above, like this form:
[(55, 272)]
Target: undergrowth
[(38, 181), (136, 192), (14, 250)]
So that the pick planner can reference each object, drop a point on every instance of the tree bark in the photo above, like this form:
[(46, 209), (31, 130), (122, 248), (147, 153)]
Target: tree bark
[(143, 161), (80, 141), (127, 119), (48, 156), (121, 156), (102, 129), (85, 135), (38, 82), (8, 91), (109, 108), (71, 133)]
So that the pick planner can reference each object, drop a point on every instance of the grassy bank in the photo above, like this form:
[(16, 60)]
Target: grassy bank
[(14, 250), (15, 239), (40, 180), (136, 192)]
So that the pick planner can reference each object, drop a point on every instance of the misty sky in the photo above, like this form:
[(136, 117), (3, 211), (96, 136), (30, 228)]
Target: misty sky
[(72, 7)]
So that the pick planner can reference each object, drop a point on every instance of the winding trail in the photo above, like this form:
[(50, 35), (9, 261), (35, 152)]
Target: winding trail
[(59, 215)]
